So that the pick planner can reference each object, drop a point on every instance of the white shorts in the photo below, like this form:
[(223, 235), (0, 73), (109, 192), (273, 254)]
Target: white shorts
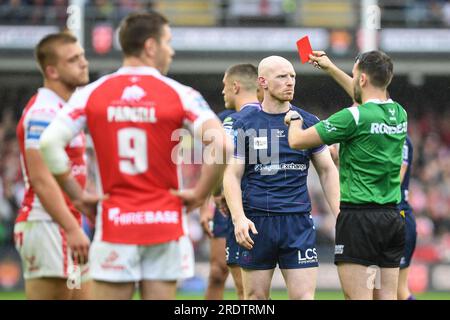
[(43, 248), (114, 262)]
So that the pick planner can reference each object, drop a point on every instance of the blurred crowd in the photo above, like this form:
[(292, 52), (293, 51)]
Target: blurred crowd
[(409, 13), (11, 182)]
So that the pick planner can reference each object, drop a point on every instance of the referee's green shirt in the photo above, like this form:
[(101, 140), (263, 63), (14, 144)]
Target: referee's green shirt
[(371, 138)]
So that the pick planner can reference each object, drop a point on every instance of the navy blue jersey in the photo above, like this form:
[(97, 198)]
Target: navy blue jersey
[(224, 114), (407, 159), (229, 120), (275, 176)]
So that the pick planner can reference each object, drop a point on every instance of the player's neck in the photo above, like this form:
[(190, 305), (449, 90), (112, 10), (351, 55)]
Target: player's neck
[(245, 99), (373, 93), (138, 62), (59, 88), (271, 105)]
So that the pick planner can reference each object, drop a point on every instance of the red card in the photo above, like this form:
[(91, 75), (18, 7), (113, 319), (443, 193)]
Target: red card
[(304, 49)]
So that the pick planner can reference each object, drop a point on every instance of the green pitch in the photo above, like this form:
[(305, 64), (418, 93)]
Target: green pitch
[(275, 295)]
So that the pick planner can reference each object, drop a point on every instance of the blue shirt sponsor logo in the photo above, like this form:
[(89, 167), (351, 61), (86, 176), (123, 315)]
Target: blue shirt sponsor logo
[(35, 129)]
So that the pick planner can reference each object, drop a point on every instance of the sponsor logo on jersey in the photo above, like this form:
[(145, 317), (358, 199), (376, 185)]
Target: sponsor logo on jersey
[(35, 129), (133, 93), (228, 127), (76, 113), (260, 143), (392, 112), (142, 217), (280, 133), (382, 128), (328, 126), (265, 169)]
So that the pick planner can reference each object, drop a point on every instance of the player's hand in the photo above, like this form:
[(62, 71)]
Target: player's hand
[(221, 205), (79, 243), (320, 60), (289, 115), (241, 231), (88, 205), (190, 198), (206, 217)]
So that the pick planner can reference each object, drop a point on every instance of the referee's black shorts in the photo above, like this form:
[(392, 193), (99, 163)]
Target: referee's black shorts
[(370, 235)]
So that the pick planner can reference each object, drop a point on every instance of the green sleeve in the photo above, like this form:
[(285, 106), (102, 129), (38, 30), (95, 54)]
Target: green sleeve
[(337, 128)]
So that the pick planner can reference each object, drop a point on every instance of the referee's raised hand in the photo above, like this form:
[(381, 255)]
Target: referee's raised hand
[(320, 60), (241, 231)]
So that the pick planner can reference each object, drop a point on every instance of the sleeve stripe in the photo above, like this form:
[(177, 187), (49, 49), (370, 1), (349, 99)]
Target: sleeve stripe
[(355, 113), (319, 150)]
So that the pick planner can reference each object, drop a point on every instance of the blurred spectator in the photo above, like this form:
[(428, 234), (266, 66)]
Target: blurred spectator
[(446, 13), (128, 6), (57, 12), (14, 11), (103, 10), (38, 12)]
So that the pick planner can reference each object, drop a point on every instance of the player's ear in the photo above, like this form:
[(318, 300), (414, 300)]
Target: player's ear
[(363, 79), (236, 87), (262, 82), (150, 47), (51, 72)]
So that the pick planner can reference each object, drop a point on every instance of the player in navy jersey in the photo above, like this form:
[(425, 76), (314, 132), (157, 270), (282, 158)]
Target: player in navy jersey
[(403, 292), (240, 92), (266, 189)]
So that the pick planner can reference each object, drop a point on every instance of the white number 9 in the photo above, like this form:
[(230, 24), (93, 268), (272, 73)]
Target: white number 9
[(132, 151)]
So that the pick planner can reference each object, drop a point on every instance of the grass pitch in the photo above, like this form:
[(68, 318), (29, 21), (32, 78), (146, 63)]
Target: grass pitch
[(275, 295)]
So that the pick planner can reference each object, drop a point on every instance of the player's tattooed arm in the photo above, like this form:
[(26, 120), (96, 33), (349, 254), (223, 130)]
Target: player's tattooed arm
[(83, 201)]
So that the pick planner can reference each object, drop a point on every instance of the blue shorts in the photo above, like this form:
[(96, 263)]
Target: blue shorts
[(221, 225), (410, 239), (232, 248), (286, 239)]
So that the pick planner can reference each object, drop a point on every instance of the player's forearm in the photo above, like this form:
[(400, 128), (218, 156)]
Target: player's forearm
[(233, 195), (297, 137), (52, 145), (217, 190), (71, 187), (210, 179), (329, 179), (52, 200), (215, 159), (343, 79)]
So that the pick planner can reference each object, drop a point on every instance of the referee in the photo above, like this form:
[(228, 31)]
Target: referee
[(370, 234)]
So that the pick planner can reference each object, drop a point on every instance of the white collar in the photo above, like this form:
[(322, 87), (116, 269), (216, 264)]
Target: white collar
[(51, 93), (248, 104), (378, 101), (139, 70)]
